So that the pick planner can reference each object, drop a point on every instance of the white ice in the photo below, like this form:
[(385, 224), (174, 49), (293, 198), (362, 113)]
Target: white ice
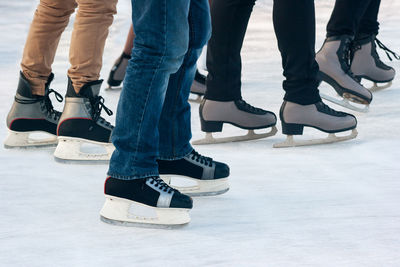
[(328, 205)]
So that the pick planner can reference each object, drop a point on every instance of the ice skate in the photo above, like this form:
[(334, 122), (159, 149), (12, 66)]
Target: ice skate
[(195, 175), (295, 117), (213, 114), (83, 135), (144, 202), (117, 72), (198, 87), (32, 115), (334, 68), (366, 64)]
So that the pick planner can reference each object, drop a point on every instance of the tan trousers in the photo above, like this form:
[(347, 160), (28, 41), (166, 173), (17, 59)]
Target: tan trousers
[(89, 34)]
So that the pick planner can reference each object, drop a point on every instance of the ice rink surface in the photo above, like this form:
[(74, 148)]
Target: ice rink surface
[(328, 205)]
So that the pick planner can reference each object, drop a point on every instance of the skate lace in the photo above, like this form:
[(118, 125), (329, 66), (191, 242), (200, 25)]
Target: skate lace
[(160, 184), (97, 103), (249, 107), (346, 59), (387, 50), (48, 106), (329, 110), (201, 159)]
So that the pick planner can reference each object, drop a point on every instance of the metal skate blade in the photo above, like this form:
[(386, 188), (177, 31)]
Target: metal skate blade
[(142, 225), (251, 135), (332, 138), (44, 146), (113, 88), (344, 102), (375, 87), (208, 194)]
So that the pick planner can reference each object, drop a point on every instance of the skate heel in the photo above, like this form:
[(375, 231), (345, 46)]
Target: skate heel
[(211, 126), (28, 139), (292, 128), (130, 213)]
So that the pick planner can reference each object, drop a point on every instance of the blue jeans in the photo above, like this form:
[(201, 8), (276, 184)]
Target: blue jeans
[(153, 114)]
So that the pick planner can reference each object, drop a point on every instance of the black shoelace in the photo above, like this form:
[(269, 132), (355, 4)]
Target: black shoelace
[(97, 103), (159, 183), (387, 50), (329, 110), (346, 58), (48, 106), (249, 107), (201, 159)]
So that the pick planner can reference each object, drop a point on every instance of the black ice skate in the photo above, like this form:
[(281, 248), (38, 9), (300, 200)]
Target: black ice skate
[(334, 68), (366, 64), (81, 123), (213, 114), (201, 176), (295, 117), (148, 201), (117, 73), (32, 114), (198, 87)]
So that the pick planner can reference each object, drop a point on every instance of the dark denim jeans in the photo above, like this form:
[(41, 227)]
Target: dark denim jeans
[(153, 114)]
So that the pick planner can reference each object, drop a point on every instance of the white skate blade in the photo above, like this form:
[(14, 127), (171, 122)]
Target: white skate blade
[(29, 139), (70, 149), (375, 87), (332, 138), (251, 135), (130, 213), (196, 187), (345, 103)]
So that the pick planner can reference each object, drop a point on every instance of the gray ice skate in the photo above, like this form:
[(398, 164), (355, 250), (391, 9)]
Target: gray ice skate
[(32, 115), (295, 117), (117, 73), (198, 87), (366, 63), (334, 68), (213, 114), (81, 124)]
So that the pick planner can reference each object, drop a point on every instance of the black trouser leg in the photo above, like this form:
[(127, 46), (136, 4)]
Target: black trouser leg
[(229, 19), (347, 15), (369, 24), (294, 23)]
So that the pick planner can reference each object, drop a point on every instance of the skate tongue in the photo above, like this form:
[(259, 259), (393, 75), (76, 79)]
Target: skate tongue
[(89, 90)]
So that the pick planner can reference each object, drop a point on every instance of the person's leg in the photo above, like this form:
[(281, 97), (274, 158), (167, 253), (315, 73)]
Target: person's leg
[(81, 121), (223, 99), (154, 59), (229, 23), (346, 17), (294, 23), (90, 31), (50, 19), (32, 109), (176, 154), (129, 41), (162, 37), (334, 56)]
